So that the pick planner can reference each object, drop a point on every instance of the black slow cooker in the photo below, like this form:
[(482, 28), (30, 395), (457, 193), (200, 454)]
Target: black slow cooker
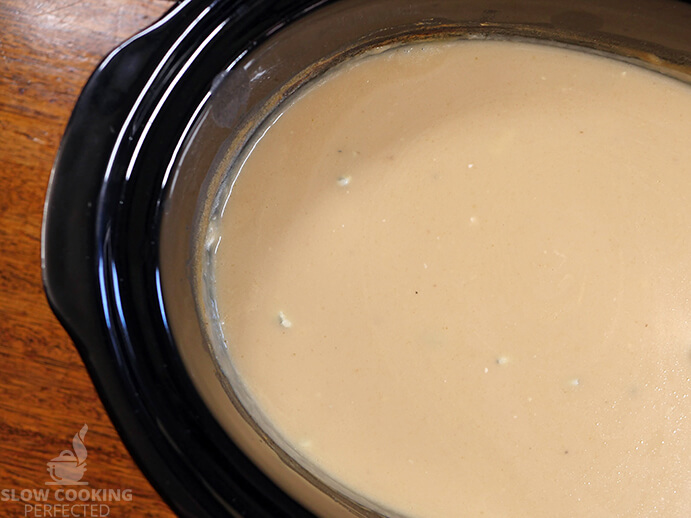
[(161, 113)]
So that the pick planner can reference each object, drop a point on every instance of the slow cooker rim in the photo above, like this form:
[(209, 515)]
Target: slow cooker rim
[(85, 249)]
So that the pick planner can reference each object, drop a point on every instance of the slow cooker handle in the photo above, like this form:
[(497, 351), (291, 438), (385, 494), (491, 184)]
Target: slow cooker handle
[(68, 259), (69, 243)]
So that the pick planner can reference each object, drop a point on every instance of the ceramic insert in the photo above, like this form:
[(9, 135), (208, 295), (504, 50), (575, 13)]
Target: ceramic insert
[(456, 277)]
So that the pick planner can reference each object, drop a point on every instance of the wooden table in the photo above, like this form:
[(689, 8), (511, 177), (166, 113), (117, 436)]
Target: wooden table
[(48, 48)]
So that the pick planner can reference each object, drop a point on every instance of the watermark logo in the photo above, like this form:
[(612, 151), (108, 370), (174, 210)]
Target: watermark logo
[(67, 469)]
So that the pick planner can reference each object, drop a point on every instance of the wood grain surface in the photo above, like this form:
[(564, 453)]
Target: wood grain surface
[(48, 49)]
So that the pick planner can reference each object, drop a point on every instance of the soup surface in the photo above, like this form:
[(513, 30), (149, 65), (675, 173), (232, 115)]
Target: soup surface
[(456, 276)]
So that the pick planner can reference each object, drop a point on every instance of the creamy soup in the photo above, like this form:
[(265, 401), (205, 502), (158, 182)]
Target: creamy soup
[(456, 277)]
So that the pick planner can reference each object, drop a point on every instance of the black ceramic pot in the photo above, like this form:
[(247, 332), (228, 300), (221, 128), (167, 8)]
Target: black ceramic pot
[(157, 118)]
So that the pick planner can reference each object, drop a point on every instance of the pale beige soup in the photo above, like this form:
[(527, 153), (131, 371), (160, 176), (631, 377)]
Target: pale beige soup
[(457, 277)]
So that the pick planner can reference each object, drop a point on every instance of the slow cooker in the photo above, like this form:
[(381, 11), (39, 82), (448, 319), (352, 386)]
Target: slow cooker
[(160, 116)]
